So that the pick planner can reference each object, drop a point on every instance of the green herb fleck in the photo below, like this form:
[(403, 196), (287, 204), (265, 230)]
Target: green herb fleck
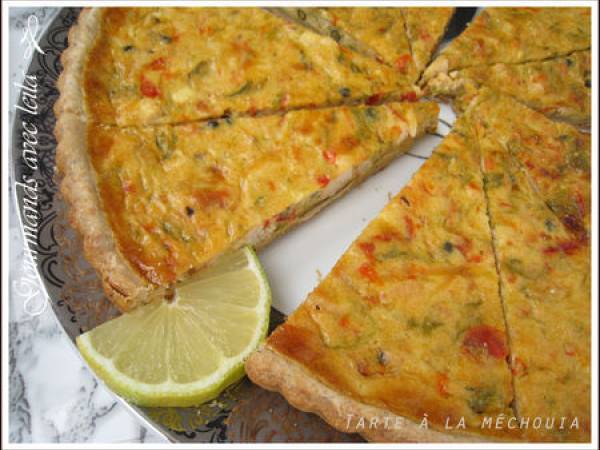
[(391, 254), (445, 156), (493, 180), (335, 35), (345, 92), (516, 265), (426, 326), (578, 160), (382, 358), (371, 113), (246, 87), (165, 142), (429, 325), (227, 118), (199, 69), (362, 123), (355, 69), (260, 201), (475, 304), (166, 39), (481, 398), (305, 61)]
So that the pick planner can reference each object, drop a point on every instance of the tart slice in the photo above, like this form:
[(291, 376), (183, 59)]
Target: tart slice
[(425, 28), (140, 66), (409, 324), (156, 203), (377, 32), (560, 88), (556, 157), (512, 35), (403, 38), (545, 286)]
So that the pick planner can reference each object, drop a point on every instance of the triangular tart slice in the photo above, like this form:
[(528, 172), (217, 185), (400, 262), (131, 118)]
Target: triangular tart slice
[(403, 38), (512, 35), (154, 203), (409, 323), (425, 28), (559, 88), (545, 287), (376, 32), (141, 66), (556, 157)]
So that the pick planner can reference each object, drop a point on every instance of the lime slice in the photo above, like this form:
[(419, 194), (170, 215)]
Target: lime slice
[(186, 351)]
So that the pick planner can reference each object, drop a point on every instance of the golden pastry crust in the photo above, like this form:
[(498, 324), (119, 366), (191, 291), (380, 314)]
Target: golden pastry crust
[(78, 180), (81, 38), (86, 214), (275, 372)]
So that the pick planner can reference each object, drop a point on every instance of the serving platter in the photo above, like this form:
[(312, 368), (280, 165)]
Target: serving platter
[(294, 264)]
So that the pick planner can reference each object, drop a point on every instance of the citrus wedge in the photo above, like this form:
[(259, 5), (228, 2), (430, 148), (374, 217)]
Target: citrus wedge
[(184, 352)]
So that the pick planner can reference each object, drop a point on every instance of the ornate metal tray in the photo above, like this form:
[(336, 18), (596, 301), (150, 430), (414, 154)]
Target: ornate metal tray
[(244, 412)]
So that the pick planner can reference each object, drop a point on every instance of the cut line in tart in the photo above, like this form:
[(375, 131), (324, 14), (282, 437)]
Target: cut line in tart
[(545, 286), (409, 321), (560, 88), (172, 65), (467, 297), (512, 35), (556, 157), (403, 38), (185, 132), (425, 28), (171, 198)]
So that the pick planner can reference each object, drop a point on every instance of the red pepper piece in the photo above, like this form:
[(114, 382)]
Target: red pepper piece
[(323, 180), (148, 88), (402, 63), (486, 338)]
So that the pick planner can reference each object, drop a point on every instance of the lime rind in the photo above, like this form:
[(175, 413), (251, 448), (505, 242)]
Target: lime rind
[(170, 393)]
